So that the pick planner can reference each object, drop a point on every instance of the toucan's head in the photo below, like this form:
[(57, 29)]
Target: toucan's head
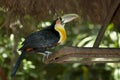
[(60, 23), (66, 18)]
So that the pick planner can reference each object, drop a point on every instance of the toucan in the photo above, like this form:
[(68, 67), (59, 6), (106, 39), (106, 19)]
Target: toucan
[(42, 40)]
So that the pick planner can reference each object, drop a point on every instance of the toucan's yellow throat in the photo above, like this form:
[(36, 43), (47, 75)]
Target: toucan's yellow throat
[(61, 30)]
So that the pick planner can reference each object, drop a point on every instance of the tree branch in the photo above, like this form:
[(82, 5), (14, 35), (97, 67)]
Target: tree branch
[(90, 62), (108, 18), (73, 54)]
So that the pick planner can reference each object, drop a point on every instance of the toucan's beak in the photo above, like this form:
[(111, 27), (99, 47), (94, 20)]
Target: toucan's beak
[(69, 17)]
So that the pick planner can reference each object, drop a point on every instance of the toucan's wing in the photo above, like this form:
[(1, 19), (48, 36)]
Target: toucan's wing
[(41, 39)]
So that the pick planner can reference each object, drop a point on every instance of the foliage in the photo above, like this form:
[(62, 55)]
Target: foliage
[(32, 67)]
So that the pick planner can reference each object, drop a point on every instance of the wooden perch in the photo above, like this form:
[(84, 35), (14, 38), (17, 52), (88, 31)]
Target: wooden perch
[(87, 54)]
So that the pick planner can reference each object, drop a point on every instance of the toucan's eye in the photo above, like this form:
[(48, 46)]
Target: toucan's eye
[(62, 22)]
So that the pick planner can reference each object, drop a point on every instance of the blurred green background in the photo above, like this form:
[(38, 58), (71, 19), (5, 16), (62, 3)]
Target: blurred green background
[(79, 33)]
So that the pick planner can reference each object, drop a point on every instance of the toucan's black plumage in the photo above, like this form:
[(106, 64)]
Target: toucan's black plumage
[(41, 40), (38, 42), (44, 39)]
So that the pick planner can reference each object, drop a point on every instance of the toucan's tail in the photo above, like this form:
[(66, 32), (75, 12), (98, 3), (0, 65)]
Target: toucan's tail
[(17, 64)]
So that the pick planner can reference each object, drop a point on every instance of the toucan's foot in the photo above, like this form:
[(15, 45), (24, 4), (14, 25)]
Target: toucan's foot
[(47, 53)]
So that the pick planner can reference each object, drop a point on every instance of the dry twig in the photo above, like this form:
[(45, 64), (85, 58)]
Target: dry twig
[(108, 18)]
